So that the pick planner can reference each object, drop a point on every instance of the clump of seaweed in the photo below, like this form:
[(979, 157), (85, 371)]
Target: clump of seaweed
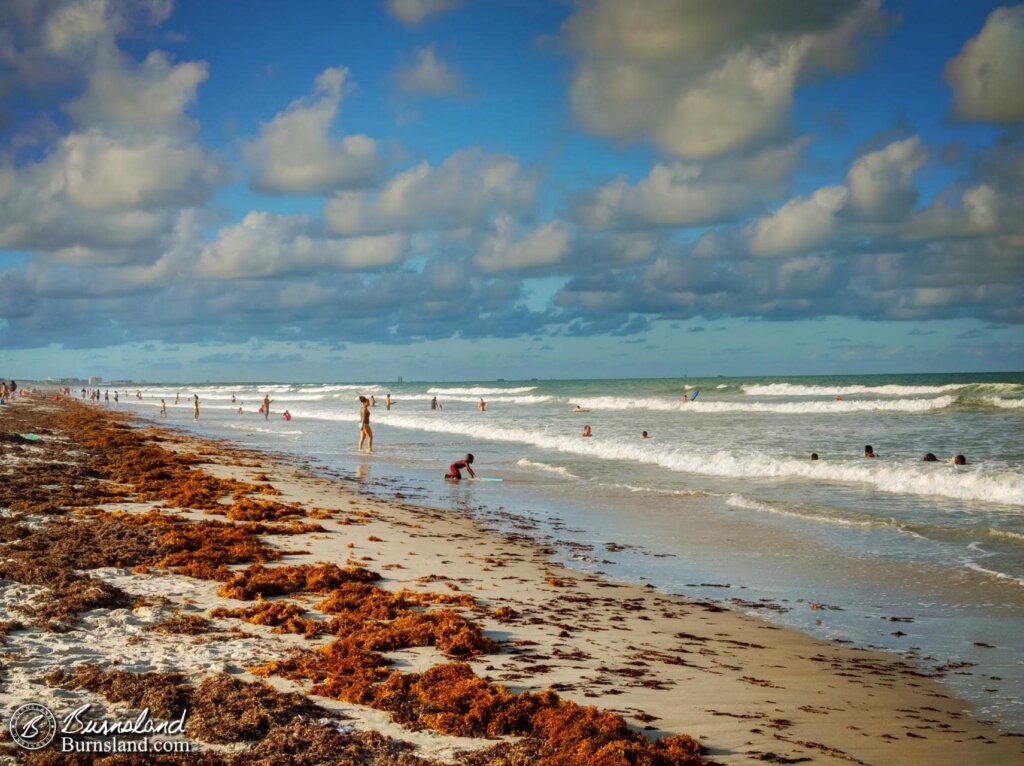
[(6, 626), (66, 595), (449, 631), (453, 700), (259, 582), (248, 509), (182, 625), (227, 709), (163, 693), (285, 617), (341, 670)]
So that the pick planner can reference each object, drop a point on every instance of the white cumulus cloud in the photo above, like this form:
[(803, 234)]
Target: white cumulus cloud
[(986, 75), (503, 251), (882, 182), (295, 153), (702, 78), (428, 74), (413, 12), (801, 224), (463, 191), (265, 244)]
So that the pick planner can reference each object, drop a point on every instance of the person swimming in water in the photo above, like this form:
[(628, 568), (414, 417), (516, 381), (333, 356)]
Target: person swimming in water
[(869, 451), (959, 460), (586, 430), (814, 456), (455, 469), (644, 435), (287, 416), (929, 457), (482, 406)]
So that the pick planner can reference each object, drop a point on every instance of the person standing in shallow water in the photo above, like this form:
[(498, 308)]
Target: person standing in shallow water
[(195, 405), (365, 432), (266, 406)]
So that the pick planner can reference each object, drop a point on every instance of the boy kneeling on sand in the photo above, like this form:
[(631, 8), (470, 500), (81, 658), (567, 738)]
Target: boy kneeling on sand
[(455, 469)]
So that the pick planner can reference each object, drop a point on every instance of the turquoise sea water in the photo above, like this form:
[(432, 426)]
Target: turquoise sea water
[(722, 501)]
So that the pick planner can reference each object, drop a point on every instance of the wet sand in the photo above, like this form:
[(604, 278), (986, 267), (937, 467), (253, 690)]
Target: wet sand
[(147, 553)]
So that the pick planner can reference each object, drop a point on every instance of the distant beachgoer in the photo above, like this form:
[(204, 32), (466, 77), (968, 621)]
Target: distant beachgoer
[(434, 405), (959, 460), (455, 469), (839, 398), (482, 406), (387, 402), (869, 451), (929, 457), (177, 398), (579, 409), (814, 456), (232, 398), (373, 400), (163, 408), (365, 433), (266, 406), (117, 401), (287, 416), (586, 430), (239, 410), (195, 405), (644, 435)]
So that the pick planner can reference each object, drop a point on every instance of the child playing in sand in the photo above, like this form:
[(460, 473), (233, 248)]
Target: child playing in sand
[(455, 469)]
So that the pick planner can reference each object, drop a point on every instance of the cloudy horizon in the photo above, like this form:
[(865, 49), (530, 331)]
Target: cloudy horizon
[(514, 188)]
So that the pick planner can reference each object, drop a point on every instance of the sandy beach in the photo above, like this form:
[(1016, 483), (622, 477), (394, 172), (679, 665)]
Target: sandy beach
[(305, 619)]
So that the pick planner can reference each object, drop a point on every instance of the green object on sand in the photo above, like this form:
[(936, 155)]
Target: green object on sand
[(31, 437)]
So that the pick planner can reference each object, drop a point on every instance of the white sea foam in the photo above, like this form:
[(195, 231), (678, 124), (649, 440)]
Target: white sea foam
[(1005, 533), (561, 470), (792, 389), (496, 399), (747, 503), (482, 391), (1009, 404), (788, 408), (975, 566), (916, 479)]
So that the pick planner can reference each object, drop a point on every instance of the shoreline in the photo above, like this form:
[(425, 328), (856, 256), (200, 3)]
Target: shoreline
[(747, 690)]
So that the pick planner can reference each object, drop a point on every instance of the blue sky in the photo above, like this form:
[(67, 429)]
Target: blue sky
[(509, 188)]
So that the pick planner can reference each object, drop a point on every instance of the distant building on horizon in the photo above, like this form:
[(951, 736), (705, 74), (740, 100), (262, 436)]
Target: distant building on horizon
[(95, 380)]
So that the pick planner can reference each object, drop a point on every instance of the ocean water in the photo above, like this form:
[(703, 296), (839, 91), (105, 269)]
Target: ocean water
[(722, 501)]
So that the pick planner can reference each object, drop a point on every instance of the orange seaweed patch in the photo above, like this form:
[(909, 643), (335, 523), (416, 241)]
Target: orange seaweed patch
[(258, 581), (453, 700), (449, 631), (247, 509), (284, 617), (339, 670)]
